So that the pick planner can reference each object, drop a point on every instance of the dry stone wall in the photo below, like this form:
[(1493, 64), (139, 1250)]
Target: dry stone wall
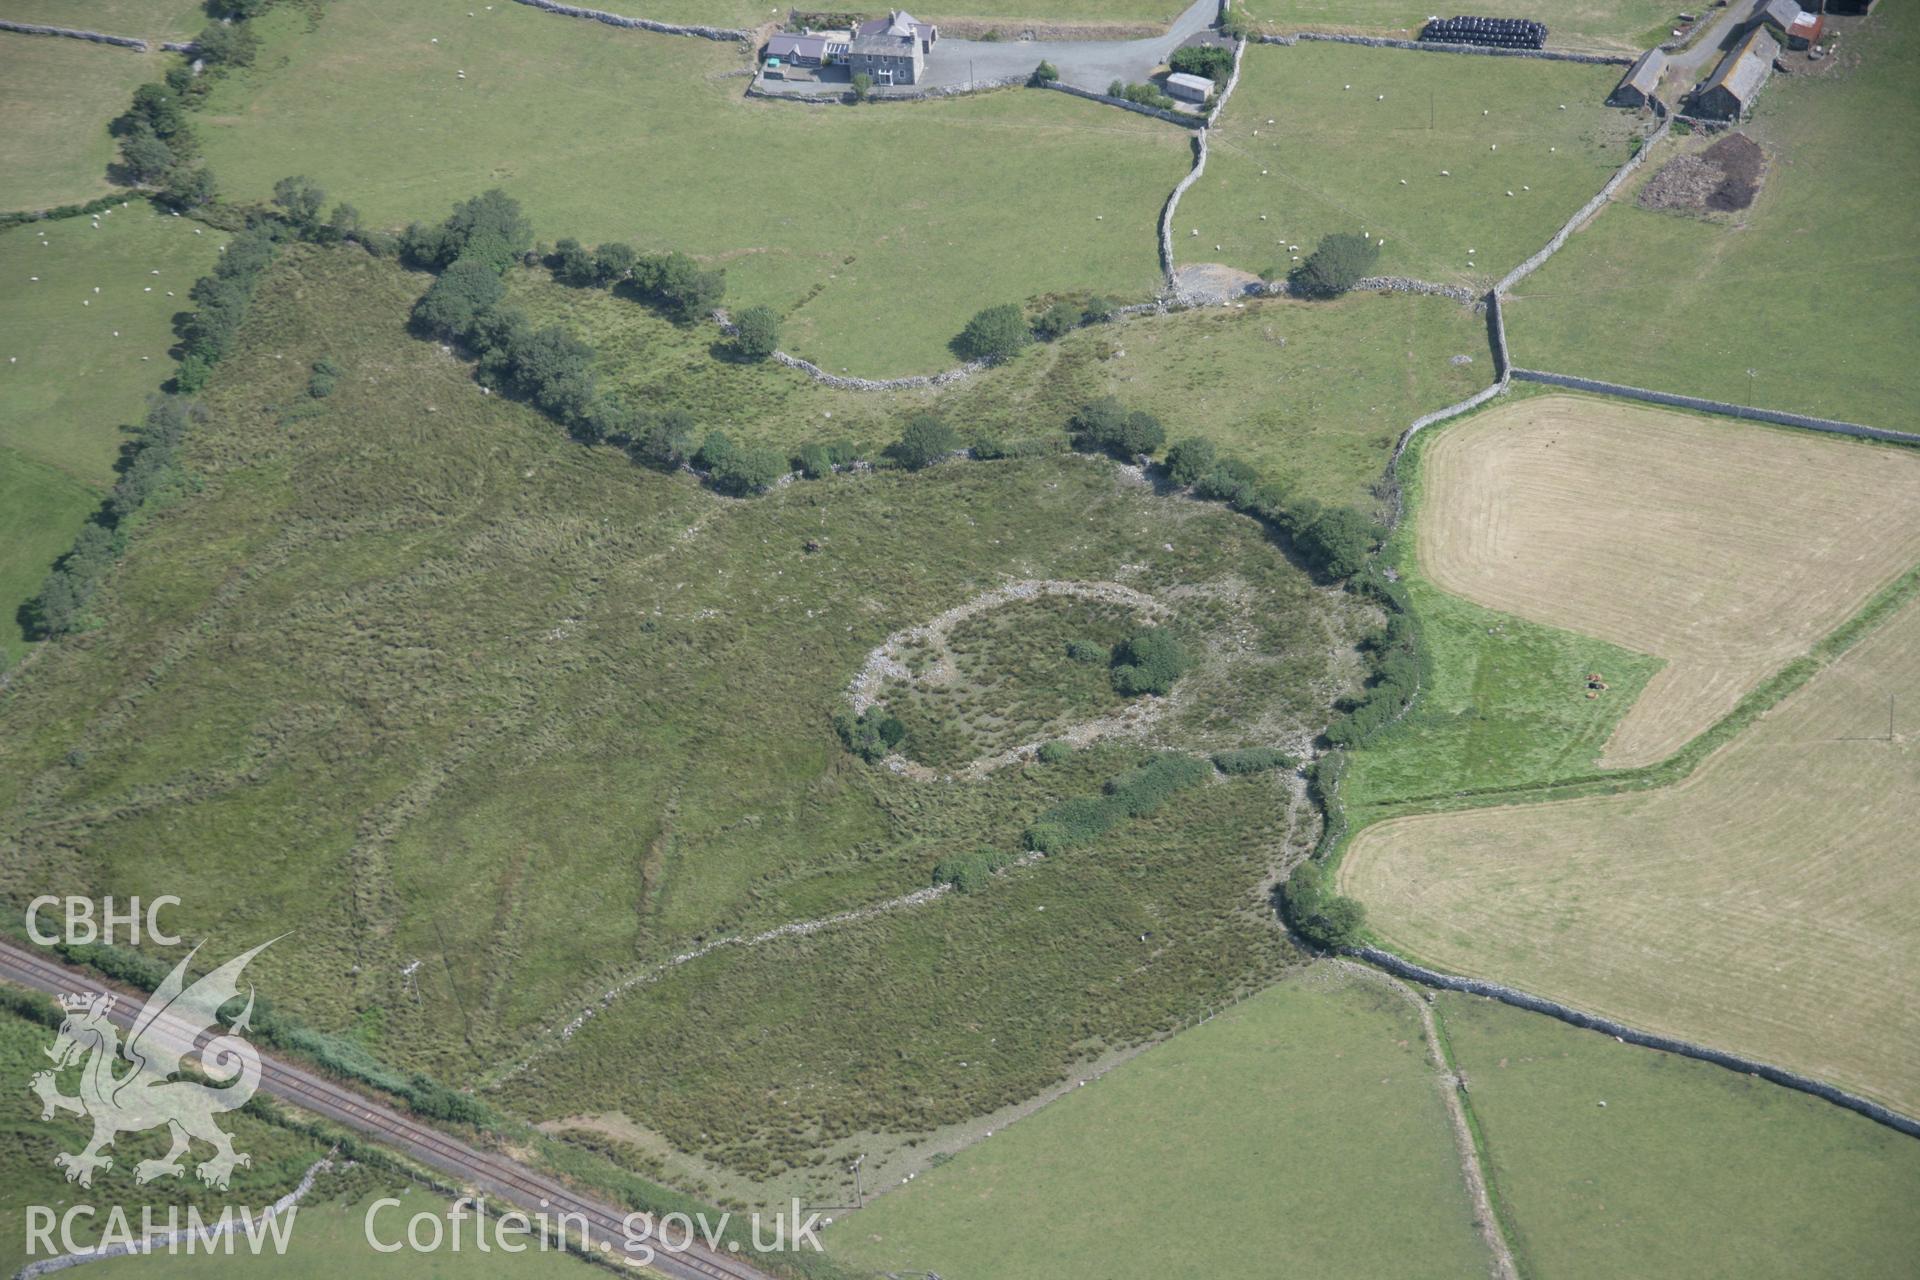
[(1732, 1061), (1776, 416), (641, 24), (74, 33)]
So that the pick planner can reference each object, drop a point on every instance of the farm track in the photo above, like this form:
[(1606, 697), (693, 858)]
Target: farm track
[(490, 1173)]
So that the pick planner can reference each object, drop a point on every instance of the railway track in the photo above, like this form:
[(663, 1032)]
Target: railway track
[(497, 1177)]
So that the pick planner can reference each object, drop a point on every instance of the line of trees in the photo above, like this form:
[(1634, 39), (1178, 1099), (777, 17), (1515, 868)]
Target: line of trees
[(158, 147)]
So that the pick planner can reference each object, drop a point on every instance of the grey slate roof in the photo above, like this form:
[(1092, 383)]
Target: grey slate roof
[(1645, 72), (1745, 68), (1780, 13)]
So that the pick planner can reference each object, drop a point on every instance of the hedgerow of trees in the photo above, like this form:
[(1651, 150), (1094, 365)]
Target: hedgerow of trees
[(1319, 915), (1212, 61)]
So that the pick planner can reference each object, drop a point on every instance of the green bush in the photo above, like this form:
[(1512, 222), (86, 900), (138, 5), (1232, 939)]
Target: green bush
[(872, 734), (573, 264), (1322, 917), (458, 295), (1340, 260), (749, 469), (1190, 459), (1252, 760), (1054, 752), (325, 374), (678, 285), (994, 335), (926, 440), (1149, 662), (1087, 651), (1045, 73), (1057, 321), (1140, 791), (1210, 61), (814, 461), (1105, 424), (970, 872), (1337, 542), (756, 333)]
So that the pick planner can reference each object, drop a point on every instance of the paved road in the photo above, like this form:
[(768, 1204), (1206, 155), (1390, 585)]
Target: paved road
[(497, 1177), (1706, 52), (1090, 64), (1087, 64)]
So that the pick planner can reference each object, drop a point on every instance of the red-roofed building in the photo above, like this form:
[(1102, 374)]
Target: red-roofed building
[(1806, 28)]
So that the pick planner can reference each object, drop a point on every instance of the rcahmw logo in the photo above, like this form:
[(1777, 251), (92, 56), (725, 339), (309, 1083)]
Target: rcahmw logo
[(131, 1087)]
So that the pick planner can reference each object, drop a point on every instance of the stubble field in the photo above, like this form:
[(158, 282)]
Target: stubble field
[(1767, 904)]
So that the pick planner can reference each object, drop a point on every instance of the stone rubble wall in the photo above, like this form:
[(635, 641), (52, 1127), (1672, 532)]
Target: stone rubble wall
[(642, 24), (1776, 416), (74, 33), (1732, 1061), (1436, 46), (1586, 211)]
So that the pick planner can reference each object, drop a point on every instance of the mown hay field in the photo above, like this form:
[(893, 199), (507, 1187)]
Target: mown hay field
[(1768, 904), (1616, 26), (1724, 549), (1335, 156), (1688, 1170), (877, 233), (57, 96), (1807, 301), (1311, 1105)]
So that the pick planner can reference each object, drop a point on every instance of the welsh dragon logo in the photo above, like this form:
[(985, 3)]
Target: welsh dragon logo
[(129, 1088)]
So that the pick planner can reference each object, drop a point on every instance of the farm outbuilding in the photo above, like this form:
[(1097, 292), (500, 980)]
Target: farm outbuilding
[(1641, 85), (1778, 16), (1192, 88), (1806, 29), (1730, 92)]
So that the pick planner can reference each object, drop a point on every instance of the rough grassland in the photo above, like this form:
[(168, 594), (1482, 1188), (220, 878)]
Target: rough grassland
[(1166, 1165), (1724, 549), (1820, 272), (877, 233), (1611, 25), (1768, 904), (1277, 381), (41, 510), (418, 677), (56, 97), (1335, 158), (146, 19), (1689, 1170)]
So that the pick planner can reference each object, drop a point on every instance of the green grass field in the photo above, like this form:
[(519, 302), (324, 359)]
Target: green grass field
[(1276, 381), (69, 386), (147, 19), (57, 96), (1335, 157), (1611, 25), (1303, 1125), (1689, 1169), (877, 233), (1831, 315), (41, 511), (465, 690)]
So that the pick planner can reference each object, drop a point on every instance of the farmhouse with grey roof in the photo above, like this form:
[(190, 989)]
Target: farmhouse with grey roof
[(1641, 85), (1779, 15), (893, 49), (1729, 93)]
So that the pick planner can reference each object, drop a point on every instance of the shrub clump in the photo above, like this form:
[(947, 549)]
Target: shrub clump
[(1322, 917), (1054, 752), (994, 335), (1149, 662), (1088, 652), (1335, 266), (1132, 794), (1393, 679), (1252, 760), (971, 872), (1108, 426), (756, 333), (872, 734), (1209, 60), (926, 440), (325, 374)]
